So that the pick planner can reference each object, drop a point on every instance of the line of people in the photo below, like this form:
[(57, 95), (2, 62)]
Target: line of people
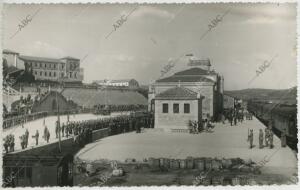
[(267, 137), (82, 130), (235, 115)]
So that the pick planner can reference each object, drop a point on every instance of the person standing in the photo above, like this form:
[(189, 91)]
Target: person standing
[(266, 136), (36, 136), (26, 138), (5, 144), (63, 130), (230, 117), (261, 138), (251, 138), (283, 138), (22, 141), (45, 133), (12, 143), (271, 139), (235, 114), (48, 136)]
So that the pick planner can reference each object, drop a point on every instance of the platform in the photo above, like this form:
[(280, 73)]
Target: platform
[(32, 126), (224, 142)]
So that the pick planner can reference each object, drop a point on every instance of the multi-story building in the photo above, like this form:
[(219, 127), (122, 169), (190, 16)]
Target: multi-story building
[(198, 81), (65, 69)]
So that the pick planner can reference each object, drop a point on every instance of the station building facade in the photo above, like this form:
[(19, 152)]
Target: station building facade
[(199, 79), (175, 107)]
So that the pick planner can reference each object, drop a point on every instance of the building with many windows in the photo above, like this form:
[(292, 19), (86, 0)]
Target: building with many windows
[(65, 69)]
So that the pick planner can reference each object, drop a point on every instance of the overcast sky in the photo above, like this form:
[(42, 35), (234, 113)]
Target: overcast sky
[(154, 35)]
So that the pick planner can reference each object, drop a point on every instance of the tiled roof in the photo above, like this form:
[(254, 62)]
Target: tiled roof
[(198, 62), (121, 80), (178, 93), (195, 71), (178, 78), (68, 57), (9, 51), (39, 59)]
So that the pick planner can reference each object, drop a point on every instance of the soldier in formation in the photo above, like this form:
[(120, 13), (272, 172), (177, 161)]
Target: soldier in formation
[(9, 143), (250, 137), (46, 134), (36, 137), (83, 129), (267, 137), (283, 138), (271, 139), (261, 138)]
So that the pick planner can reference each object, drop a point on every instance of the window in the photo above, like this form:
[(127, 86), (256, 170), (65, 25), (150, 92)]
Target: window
[(35, 72), (54, 66), (41, 73), (35, 64), (45, 73), (175, 108), (54, 74), (49, 74), (165, 108), (186, 108), (40, 65), (75, 75)]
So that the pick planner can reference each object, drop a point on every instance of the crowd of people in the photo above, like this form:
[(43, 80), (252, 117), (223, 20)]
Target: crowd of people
[(118, 108), (22, 119), (204, 125), (82, 131), (235, 115)]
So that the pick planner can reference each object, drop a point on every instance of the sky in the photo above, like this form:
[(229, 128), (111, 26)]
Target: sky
[(154, 35)]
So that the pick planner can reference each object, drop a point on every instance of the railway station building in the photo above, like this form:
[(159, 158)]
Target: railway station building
[(194, 83)]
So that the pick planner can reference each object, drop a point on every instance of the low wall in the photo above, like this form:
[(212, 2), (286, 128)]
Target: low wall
[(68, 146), (100, 133)]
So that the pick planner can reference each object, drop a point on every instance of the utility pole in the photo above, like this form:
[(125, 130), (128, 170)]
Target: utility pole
[(58, 123)]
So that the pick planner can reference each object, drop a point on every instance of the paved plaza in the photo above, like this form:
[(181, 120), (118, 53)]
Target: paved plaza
[(225, 141)]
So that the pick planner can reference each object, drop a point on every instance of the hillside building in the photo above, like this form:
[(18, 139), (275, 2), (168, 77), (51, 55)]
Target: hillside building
[(66, 69)]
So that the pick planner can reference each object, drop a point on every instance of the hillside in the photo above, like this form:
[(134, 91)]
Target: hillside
[(288, 96)]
